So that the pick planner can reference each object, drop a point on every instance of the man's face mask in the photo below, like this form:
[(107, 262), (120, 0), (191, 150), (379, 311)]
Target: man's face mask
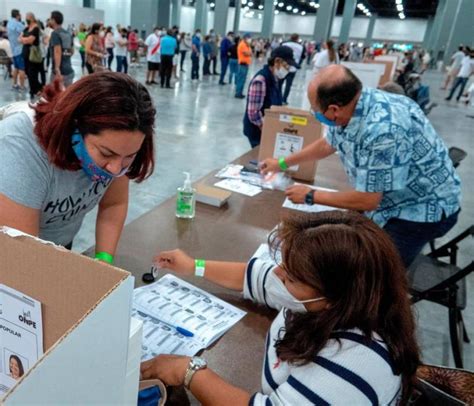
[(324, 120)]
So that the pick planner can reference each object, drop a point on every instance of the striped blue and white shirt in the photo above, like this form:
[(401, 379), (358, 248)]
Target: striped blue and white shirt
[(344, 372)]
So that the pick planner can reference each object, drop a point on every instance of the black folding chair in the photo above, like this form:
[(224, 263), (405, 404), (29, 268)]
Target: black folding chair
[(444, 283), (457, 155)]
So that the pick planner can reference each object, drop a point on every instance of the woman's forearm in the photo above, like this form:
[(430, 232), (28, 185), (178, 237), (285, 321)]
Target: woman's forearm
[(109, 226), (230, 275), (210, 389)]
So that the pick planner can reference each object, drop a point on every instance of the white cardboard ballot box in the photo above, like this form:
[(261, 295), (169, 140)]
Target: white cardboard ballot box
[(86, 309)]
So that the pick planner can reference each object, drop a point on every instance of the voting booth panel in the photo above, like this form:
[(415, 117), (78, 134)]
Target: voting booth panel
[(286, 131), (86, 309), (368, 73)]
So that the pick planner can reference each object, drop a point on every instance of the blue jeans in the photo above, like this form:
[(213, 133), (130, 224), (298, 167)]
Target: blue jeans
[(233, 68), (289, 82), (194, 66), (458, 82), (122, 64), (224, 64), (410, 237), (240, 79)]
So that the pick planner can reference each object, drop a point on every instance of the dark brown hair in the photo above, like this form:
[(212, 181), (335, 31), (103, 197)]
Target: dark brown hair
[(331, 50), (353, 263), (97, 102)]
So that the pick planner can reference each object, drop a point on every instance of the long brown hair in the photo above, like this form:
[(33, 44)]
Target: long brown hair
[(331, 51), (353, 263), (97, 102)]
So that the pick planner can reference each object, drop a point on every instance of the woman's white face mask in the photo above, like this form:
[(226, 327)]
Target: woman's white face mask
[(278, 294)]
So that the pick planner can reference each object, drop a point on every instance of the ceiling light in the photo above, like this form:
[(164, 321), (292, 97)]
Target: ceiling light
[(295, 10), (246, 8), (369, 14), (244, 2), (317, 5), (401, 15), (275, 2), (303, 13), (312, 4), (281, 4), (250, 3), (277, 12), (360, 6), (289, 8), (398, 1), (400, 7), (213, 5), (260, 7)]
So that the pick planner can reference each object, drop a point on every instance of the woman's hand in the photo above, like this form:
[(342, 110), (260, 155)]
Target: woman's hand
[(177, 261), (168, 368)]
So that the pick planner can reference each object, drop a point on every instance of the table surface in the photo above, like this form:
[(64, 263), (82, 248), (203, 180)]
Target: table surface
[(233, 233)]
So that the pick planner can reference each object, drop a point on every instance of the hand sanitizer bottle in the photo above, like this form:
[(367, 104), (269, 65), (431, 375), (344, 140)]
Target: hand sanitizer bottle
[(186, 199)]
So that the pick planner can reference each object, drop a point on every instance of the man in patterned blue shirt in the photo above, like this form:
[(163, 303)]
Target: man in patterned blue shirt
[(398, 165)]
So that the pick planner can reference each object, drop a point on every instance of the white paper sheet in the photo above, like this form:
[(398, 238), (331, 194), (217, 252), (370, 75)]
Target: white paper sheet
[(286, 145), (21, 336), (171, 302), (238, 186), (315, 208)]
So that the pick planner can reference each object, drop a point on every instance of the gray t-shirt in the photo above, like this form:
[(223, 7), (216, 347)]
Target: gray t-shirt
[(28, 178), (62, 38)]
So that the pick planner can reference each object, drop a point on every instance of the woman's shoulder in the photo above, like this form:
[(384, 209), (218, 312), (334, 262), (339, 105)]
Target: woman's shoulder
[(354, 368)]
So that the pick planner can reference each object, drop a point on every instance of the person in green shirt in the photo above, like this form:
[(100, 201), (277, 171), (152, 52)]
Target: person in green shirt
[(81, 36)]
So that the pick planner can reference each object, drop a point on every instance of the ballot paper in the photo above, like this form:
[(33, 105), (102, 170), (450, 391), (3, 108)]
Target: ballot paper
[(238, 186), (170, 303), (271, 181), (315, 208), (21, 336)]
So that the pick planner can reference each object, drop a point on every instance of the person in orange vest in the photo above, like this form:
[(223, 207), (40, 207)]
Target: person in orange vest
[(244, 54)]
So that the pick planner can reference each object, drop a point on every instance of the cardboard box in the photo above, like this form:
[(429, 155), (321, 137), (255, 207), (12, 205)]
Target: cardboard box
[(211, 195), (387, 75), (287, 130), (86, 308)]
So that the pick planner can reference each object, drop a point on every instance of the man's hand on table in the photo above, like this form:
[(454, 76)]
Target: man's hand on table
[(269, 165), (297, 193), (177, 261)]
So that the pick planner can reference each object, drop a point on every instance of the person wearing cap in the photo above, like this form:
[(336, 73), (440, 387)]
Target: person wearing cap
[(398, 166), (244, 54), (264, 91)]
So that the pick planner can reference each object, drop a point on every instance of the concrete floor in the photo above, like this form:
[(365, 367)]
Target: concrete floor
[(199, 129)]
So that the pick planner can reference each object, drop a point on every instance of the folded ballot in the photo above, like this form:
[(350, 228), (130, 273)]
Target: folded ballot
[(179, 318)]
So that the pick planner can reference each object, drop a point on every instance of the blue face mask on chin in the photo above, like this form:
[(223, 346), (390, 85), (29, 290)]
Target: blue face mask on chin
[(323, 119), (92, 170)]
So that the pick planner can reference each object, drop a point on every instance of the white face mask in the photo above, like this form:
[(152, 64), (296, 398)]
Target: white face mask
[(281, 73), (278, 295), (249, 41)]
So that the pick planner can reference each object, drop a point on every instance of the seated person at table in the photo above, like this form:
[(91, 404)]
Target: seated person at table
[(345, 332)]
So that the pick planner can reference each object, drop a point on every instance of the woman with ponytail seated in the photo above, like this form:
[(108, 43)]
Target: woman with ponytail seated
[(76, 149), (345, 334)]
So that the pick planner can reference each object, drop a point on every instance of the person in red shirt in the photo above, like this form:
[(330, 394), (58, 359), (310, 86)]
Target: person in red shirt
[(133, 46)]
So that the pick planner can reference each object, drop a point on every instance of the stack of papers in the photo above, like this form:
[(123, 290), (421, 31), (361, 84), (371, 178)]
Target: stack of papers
[(172, 310), (21, 336)]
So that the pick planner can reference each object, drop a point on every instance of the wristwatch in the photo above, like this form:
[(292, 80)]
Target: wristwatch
[(195, 364), (309, 198)]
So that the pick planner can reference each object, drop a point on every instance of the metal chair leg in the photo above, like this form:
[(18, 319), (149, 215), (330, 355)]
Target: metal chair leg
[(454, 335), (464, 330)]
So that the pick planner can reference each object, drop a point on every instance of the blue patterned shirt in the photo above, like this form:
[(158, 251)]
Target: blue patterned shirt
[(389, 146)]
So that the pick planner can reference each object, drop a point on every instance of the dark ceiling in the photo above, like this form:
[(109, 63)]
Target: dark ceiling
[(384, 8)]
